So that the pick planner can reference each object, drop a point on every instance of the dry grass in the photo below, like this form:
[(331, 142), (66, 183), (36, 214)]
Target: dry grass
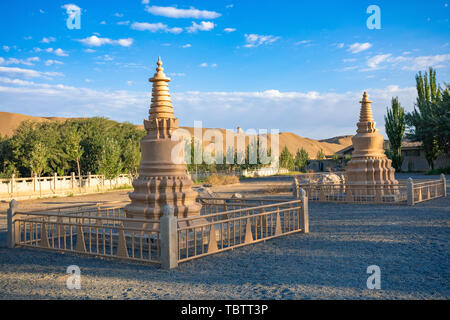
[(217, 180)]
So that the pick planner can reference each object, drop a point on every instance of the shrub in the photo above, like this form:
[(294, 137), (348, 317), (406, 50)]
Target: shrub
[(222, 180), (439, 171)]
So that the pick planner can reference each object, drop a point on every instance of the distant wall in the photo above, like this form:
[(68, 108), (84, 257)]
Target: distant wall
[(414, 160), (34, 187)]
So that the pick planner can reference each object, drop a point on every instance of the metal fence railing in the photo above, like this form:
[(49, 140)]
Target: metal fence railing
[(217, 232), (103, 230), (428, 190), (89, 229), (405, 192)]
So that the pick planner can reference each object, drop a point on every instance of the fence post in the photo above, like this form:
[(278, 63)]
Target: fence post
[(11, 226), (13, 176), (72, 179), (444, 185), (410, 191), (169, 238), (296, 191), (89, 179), (54, 181), (305, 215)]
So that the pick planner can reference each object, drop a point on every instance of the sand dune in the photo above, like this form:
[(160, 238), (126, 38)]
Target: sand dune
[(10, 121)]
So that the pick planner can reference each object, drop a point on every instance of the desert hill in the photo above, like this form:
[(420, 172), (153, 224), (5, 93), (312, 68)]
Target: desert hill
[(10, 121)]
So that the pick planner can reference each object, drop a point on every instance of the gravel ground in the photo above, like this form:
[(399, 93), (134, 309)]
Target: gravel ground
[(410, 245)]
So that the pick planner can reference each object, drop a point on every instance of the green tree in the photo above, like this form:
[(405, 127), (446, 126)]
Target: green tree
[(73, 149), (131, 157), (286, 159), (38, 158), (301, 159), (110, 163), (440, 121), (421, 118), (395, 130)]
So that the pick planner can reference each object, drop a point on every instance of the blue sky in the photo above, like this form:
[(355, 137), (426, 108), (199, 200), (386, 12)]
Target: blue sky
[(298, 66)]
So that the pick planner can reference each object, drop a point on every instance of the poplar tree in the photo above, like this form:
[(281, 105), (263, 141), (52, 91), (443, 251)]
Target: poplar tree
[(395, 130)]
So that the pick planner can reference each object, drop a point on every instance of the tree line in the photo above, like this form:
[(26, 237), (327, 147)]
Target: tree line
[(428, 123), (95, 145)]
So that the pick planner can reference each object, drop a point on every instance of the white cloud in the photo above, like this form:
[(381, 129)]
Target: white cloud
[(188, 45), (172, 12), (423, 62), (177, 74), (71, 9), (255, 40), (28, 38), (103, 22), (28, 73), (303, 42), (359, 47), (145, 1), (41, 11), (6, 48), (373, 62), (407, 62), (51, 62), (60, 52), (27, 62), (125, 42), (89, 50), (229, 30), (229, 6), (119, 15), (203, 26), (48, 40), (123, 23), (205, 65), (95, 41), (155, 27)]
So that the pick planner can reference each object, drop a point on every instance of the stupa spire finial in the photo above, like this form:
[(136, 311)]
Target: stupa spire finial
[(365, 114), (161, 106), (159, 75)]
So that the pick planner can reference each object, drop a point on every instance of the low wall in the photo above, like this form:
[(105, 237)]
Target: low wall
[(34, 187)]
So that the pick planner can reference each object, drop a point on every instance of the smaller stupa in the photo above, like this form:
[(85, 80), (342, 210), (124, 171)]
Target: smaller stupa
[(369, 165)]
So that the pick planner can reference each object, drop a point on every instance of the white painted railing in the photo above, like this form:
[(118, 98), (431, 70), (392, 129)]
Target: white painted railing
[(33, 187)]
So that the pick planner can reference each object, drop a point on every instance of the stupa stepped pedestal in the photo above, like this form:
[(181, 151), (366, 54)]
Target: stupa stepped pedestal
[(369, 165), (162, 176)]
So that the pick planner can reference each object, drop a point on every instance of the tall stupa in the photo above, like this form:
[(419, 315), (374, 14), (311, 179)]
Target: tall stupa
[(162, 179), (369, 164)]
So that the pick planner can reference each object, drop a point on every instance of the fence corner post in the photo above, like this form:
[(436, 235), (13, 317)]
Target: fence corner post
[(410, 191), (13, 205), (296, 191), (444, 185), (305, 215), (169, 238)]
